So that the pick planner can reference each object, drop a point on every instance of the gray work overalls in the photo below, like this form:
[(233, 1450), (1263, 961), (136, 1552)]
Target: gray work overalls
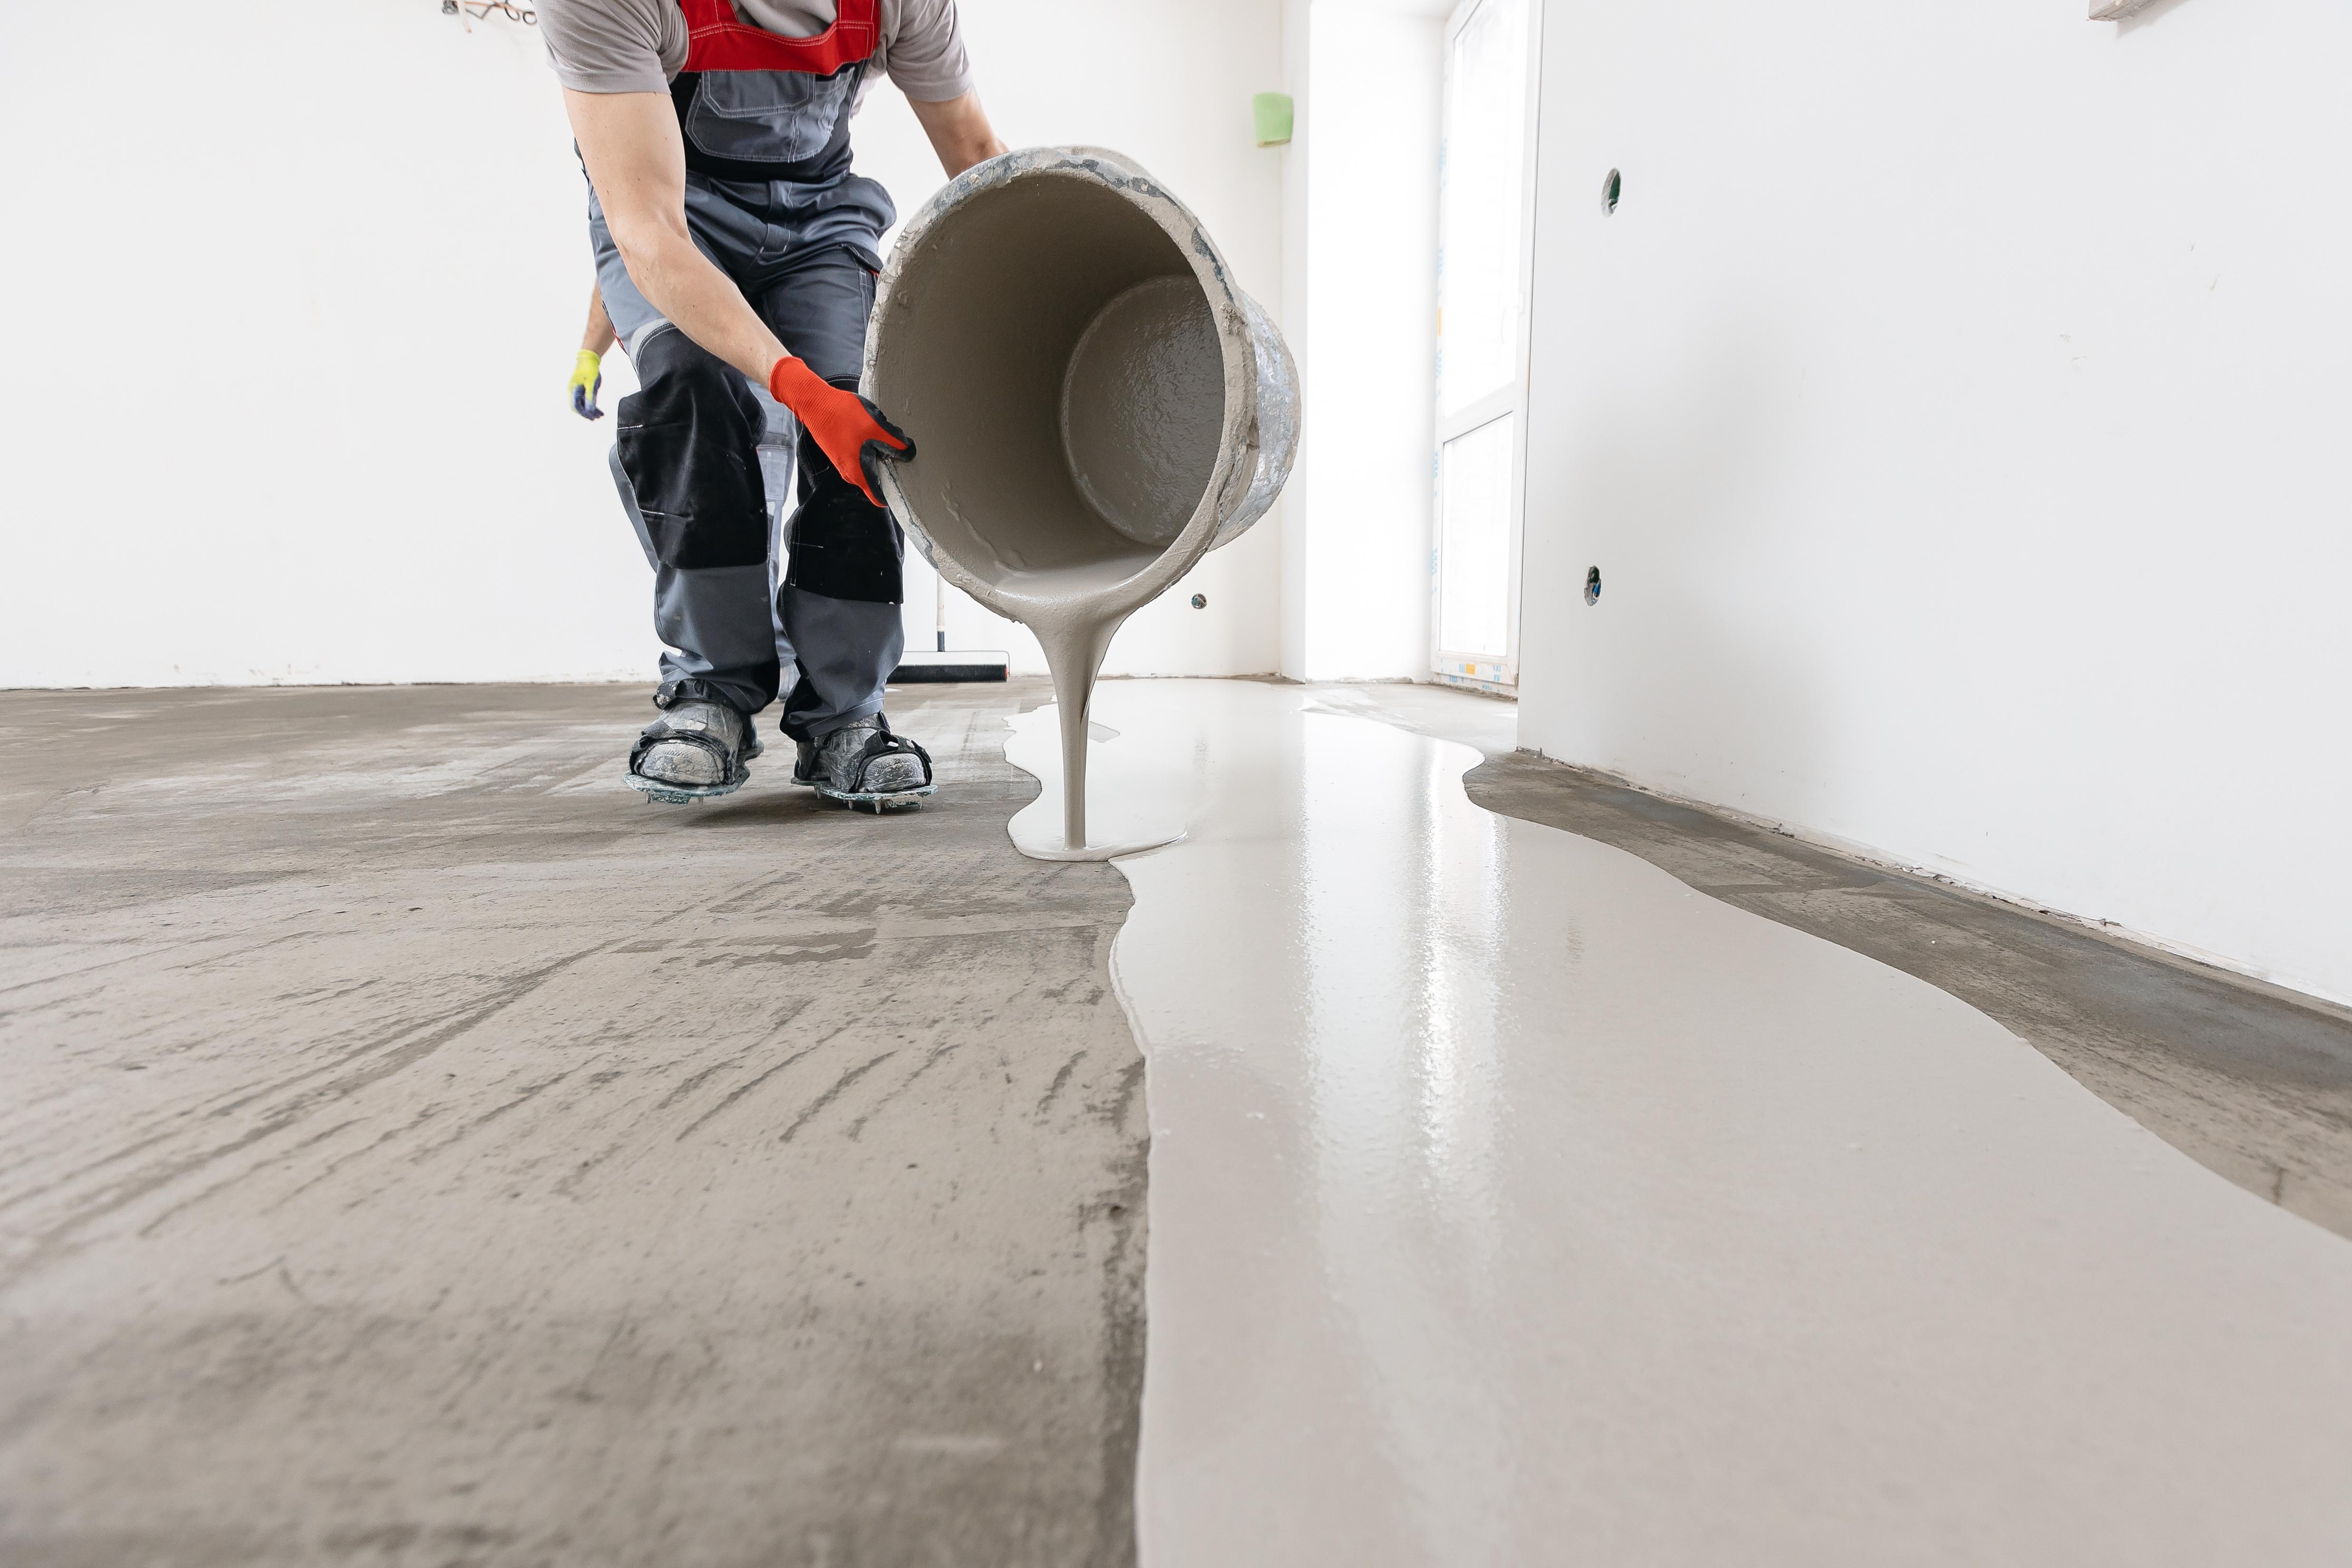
[(704, 459)]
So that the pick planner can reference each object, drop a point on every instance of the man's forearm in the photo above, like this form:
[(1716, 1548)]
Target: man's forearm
[(701, 301), (959, 132), (637, 164), (974, 150)]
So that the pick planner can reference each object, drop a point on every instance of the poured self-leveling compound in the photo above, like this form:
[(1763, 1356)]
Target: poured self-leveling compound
[(1512, 1202), (1096, 406), (1145, 784)]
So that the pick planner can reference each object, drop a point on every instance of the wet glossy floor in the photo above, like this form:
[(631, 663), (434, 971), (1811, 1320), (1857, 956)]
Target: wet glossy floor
[(1512, 1202)]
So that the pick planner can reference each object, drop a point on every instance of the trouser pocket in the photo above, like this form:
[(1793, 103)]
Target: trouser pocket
[(689, 444)]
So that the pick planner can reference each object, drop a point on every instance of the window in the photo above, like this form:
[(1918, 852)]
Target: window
[(1485, 193)]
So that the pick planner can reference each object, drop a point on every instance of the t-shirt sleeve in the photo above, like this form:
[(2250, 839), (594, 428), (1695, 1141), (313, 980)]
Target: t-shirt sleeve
[(613, 46), (925, 52)]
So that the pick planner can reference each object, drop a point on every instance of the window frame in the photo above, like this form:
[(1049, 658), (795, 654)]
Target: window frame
[(1453, 666)]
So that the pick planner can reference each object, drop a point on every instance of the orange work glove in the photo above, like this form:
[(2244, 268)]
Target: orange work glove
[(849, 431)]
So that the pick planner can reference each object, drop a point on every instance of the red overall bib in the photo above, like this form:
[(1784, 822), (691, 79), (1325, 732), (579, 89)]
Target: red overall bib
[(756, 105)]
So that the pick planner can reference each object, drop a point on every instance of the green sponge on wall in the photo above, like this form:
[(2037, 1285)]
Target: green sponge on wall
[(1272, 112)]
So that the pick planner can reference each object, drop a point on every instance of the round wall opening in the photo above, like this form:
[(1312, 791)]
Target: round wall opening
[(1592, 586), (1611, 189), (1200, 601)]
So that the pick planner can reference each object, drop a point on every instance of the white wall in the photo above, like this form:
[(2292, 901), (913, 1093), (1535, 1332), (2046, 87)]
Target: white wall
[(1957, 409), (291, 317), (286, 340), (1361, 303)]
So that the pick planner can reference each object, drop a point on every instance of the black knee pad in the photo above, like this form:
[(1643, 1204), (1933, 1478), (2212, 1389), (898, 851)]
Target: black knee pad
[(689, 444), (843, 545)]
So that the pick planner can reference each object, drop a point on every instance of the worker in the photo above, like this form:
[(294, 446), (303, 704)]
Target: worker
[(736, 247)]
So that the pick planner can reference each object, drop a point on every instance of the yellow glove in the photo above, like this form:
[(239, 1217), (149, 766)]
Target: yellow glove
[(587, 377)]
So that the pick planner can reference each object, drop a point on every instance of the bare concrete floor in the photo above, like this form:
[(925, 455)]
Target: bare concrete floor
[(414, 1149)]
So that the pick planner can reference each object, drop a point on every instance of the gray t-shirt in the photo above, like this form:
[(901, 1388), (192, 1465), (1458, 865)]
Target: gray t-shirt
[(636, 46)]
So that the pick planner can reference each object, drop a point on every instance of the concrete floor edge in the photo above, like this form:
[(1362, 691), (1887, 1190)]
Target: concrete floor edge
[(2127, 937)]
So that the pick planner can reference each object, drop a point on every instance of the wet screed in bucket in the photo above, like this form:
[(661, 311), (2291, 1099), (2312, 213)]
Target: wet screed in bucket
[(1098, 406)]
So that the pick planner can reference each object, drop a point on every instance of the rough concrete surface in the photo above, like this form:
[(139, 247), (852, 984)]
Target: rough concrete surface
[(418, 1151)]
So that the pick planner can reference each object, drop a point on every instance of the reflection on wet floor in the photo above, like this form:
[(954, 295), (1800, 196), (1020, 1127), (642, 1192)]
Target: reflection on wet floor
[(1510, 1202)]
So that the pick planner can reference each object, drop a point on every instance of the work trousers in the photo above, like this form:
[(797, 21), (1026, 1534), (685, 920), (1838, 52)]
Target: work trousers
[(765, 559)]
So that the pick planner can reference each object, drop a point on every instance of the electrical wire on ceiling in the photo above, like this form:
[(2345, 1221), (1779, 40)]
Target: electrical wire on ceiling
[(474, 11)]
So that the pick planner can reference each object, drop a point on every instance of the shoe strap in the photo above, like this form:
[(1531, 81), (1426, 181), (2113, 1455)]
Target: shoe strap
[(661, 730), (884, 743)]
